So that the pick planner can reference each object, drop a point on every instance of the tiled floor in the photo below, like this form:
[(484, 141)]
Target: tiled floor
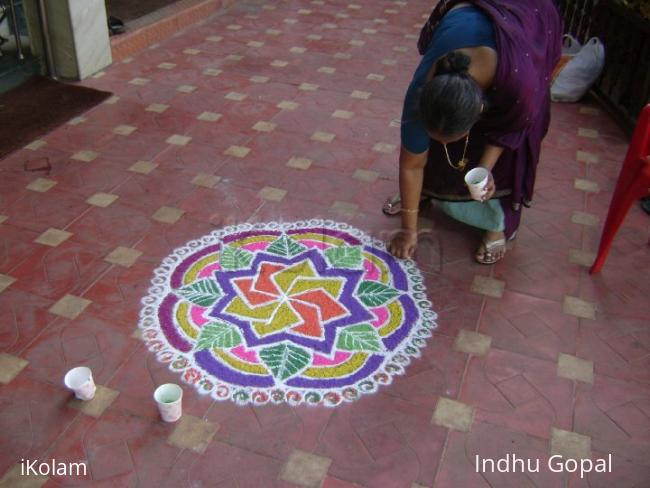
[(287, 110)]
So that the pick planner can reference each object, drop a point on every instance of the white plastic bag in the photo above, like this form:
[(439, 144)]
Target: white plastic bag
[(579, 73)]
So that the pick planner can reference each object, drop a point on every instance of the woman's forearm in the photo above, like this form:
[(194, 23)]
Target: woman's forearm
[(491, 155), (411, 175)]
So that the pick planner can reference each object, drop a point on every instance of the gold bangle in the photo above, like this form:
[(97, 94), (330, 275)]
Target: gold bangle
[(410, 210)]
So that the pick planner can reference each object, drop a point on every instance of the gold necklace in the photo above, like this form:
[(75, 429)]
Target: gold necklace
[(460, 166)]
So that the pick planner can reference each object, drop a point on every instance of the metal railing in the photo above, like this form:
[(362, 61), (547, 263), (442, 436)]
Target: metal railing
[(624, 86)]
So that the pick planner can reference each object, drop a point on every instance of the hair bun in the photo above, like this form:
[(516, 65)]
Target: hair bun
[(452, 63)]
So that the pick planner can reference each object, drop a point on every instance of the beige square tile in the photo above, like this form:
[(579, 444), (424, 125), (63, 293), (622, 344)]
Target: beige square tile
[(209, 117), (143, 167), (369, 31), (236, 97), (589, 111), (10, 367), (272, 194), (375, 77), (214, 38), (123, 256), (329, 25), (581, 258), (342, 15), (155, 46), (139, 81), (299, 163), (391, 11), (322, 136), (6, 281), (70, 306), (3, 218), (574, 368), (314, 37), (186, 88), (255, 44), (178, 140), (212, 71), (342, 114), (279, 63), (193, 433), (234, 57), (579, 308), (290, 21), (357, 42), (112, 100), (343, 56), (305, 469), (41, 185), (490, 287), (389, 62), (361, 95), (191, 51), (587, 157), (570, 445), (400, 49), (453, 415), (304, 11), (262, 126), (412, 37), (137, 334), (233, 27), (36, 145), (168, 215), (328, 70), (85, 156), (157, 107), (354, 6), (237, 151), (298, 50), (259, 79), (472, 342), (380, 21), (128, 60), (124, 130), (273, 32), (53, 237), (584, 218), (365, 175), (269, 7), (167, 65), (586, 185), (13, 478), (206, 180), (588, 133), (102, 199), (344, 207), (317, 2), (288, 105), (308, 87), (384, 147), (104, 396)]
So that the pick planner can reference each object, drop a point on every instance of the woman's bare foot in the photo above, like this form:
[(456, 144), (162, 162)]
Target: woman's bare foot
[(492, 248)]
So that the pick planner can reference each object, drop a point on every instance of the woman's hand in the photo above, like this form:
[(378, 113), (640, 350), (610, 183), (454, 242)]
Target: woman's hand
[(489, 188), (403, 244)]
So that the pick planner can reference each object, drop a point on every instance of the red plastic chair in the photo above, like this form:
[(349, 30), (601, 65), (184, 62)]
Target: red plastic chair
[(633, 184)]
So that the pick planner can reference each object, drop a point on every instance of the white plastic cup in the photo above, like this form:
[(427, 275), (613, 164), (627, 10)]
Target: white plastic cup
[(80, 380), (169, 398), (476, 180)]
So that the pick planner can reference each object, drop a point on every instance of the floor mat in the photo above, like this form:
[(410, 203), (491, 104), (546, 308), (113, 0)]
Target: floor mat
[(38, 106)]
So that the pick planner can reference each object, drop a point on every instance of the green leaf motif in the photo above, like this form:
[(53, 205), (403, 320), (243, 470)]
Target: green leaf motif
[(218, 334), (373, 294), (285, 360), (203, 293), (286, 247), (233, 258), (362, 337), (348, 257)]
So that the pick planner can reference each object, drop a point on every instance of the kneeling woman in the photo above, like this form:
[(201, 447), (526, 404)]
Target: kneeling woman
[(480, 97)]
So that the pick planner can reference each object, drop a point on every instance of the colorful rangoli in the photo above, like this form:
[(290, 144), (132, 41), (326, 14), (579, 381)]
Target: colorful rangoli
[(314, 312)]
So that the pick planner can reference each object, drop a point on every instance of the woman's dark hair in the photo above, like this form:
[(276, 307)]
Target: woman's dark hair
[(450, 103)]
